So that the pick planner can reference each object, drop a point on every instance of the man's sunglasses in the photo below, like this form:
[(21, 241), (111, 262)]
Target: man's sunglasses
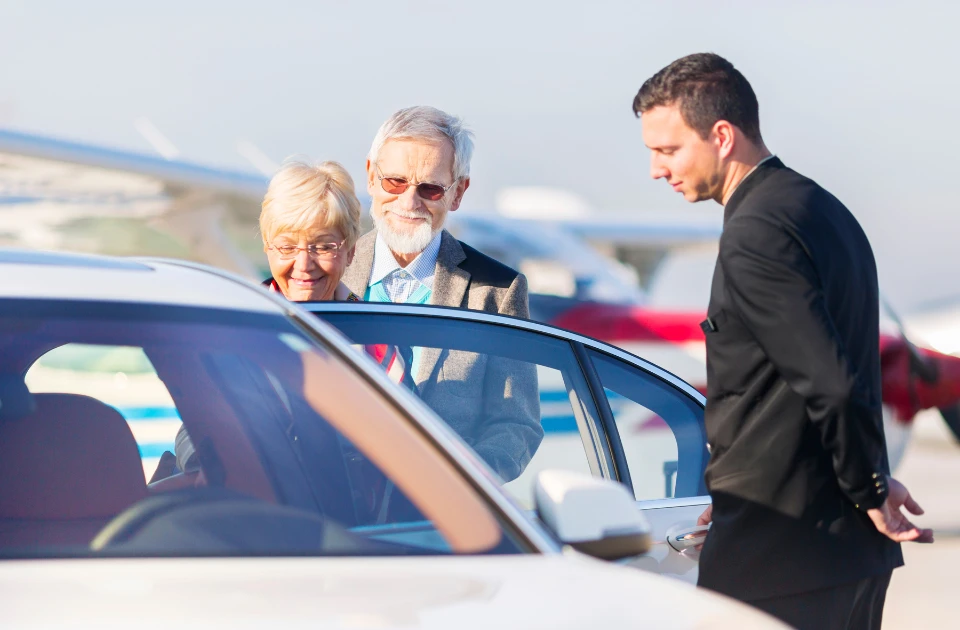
[(398, 186)]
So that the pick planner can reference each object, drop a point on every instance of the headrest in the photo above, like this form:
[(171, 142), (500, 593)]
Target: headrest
[(74, 457), (16, 401)]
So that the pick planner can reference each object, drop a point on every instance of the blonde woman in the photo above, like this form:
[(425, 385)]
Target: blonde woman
[(310, 223)]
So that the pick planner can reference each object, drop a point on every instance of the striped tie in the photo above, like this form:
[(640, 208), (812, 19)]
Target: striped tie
[(395, 360)]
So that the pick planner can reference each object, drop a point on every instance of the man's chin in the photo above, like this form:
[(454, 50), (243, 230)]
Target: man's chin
[(404, 242), (694, 196)]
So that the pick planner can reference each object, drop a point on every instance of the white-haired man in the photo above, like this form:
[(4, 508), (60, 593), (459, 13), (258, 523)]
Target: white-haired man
[(418, 170)]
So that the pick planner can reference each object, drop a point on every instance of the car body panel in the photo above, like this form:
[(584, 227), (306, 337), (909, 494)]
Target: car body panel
[(468, 592), (73, 277)]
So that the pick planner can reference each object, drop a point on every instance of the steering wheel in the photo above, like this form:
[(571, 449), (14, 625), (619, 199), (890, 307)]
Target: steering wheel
[(126, 524)]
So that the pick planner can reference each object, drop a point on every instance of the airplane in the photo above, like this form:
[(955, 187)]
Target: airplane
[(606, 277), (937, 326)]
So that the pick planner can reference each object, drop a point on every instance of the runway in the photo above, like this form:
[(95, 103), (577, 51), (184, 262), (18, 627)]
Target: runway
[(922, 593)]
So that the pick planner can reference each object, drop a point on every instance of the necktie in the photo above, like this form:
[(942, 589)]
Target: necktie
[(396, 362)]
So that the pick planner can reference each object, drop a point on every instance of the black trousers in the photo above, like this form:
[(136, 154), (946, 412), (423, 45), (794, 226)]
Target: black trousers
[(853, 606)]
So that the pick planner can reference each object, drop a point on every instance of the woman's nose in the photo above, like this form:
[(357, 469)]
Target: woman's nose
[(303, 261)]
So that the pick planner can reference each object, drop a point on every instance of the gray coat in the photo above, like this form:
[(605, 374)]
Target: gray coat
[(492, 402)]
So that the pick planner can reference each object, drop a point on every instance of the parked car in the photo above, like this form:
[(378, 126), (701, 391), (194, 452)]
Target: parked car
[(325, 494)]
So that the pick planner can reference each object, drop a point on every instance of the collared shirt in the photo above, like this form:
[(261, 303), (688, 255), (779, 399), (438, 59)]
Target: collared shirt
[(400, 282), (749, 173)]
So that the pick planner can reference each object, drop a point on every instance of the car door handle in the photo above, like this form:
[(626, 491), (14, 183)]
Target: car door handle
[(682, 538)]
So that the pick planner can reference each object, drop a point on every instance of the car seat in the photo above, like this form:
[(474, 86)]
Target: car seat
[(68, 465)]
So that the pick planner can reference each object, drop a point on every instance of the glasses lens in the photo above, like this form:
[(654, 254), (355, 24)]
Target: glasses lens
[(393, 186), (324, 250), (430, 192)]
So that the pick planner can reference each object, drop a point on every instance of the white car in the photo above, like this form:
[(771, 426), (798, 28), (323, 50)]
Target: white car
[(322, 496)]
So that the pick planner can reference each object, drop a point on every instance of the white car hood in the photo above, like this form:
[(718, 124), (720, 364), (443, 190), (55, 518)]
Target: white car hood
[(472, 592)]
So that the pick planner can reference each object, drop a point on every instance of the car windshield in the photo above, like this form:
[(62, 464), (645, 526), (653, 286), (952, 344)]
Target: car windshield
[(152, 430)]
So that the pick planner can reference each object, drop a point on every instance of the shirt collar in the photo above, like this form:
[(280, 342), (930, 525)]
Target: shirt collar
[(422, 268)]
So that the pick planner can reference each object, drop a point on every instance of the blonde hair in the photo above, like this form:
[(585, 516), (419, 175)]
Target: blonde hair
[(304, 198)]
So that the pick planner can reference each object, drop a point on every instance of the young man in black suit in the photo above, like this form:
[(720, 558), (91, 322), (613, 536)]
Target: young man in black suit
[(806, 518)]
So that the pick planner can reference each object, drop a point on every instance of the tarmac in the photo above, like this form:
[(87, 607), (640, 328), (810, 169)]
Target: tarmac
[(921, 593)]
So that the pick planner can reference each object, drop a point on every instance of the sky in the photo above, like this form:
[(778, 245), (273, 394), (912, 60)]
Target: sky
[(859, 96)]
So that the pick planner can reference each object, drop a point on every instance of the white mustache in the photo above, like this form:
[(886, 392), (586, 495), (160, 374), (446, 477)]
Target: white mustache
[(414, 215)]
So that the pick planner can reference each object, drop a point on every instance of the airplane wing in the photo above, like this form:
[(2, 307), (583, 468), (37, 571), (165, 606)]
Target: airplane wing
[(642, 239), (56, 194), (648, 229)]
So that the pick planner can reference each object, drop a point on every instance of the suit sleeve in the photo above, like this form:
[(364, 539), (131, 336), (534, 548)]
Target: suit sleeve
[(775, 289), (511, 432)]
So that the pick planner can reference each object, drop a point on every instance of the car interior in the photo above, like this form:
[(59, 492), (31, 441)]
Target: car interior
[(274, 476)]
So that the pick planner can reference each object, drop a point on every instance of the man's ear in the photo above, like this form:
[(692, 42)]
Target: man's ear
[(371, 176), (724, 135), (458, 196)]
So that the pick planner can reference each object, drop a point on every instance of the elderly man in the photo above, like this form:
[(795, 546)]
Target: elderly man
[(418, 170)]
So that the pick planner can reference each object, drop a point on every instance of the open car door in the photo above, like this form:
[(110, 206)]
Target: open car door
[(529, 397)]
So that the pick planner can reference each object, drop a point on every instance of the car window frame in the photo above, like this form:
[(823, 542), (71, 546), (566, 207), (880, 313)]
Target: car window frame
[(616, 466)]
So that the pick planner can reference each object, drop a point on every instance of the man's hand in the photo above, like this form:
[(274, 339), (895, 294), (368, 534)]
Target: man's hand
[(705, 519), (892, 523)]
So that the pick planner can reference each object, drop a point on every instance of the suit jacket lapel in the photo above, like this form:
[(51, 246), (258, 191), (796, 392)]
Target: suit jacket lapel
[(357, 275), (450, 284)]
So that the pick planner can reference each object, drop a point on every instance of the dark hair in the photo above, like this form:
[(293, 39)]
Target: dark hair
[(707, 88)]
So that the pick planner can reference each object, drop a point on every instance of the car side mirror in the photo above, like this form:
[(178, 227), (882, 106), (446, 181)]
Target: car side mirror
[(598, 517)]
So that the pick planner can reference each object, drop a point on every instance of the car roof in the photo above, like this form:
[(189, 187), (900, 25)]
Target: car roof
[(31, 274)]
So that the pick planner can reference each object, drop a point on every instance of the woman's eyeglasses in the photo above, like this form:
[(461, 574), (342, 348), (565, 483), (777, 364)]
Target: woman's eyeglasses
[(398, 186), (314, 250)]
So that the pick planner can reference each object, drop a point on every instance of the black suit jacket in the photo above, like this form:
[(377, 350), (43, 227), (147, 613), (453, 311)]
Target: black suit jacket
[(793, 412)]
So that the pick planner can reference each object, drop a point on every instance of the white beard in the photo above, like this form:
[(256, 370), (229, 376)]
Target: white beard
[(406, 243)]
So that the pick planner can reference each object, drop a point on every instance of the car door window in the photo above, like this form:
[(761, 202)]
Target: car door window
[(518, 398), (660, 429), (120, 376)]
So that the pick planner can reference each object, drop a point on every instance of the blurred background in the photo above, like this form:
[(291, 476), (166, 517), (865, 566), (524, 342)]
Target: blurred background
[(152, 129), (857, 95)]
